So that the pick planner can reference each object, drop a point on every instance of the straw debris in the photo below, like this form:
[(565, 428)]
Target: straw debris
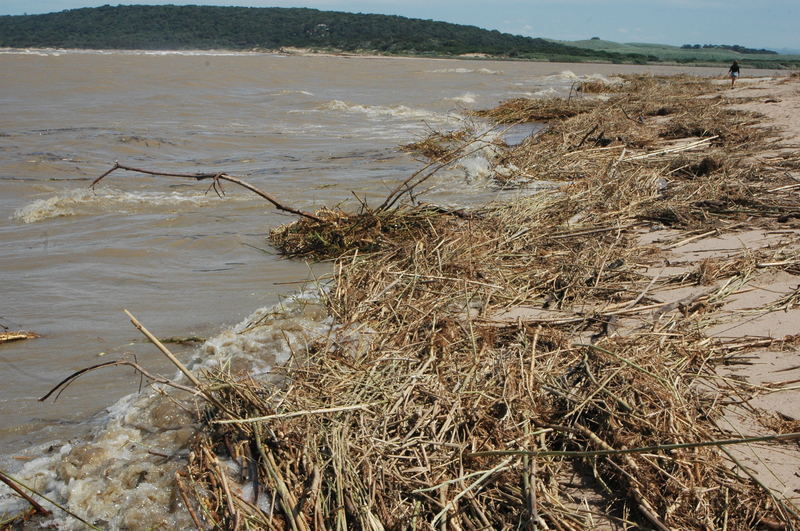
[(480, 362), (515, 369)]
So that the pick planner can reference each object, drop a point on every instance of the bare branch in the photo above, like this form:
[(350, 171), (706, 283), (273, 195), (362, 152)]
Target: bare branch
[(66, 382), (216, 177)]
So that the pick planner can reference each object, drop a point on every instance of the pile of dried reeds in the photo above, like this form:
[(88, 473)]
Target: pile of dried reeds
[(337, 232), (432, 404)]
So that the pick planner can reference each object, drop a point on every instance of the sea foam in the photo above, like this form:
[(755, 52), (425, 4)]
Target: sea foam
[(83, 201), (119, 477), (395, 111)]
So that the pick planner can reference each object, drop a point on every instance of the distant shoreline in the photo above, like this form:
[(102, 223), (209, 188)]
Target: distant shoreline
[(309, 52)]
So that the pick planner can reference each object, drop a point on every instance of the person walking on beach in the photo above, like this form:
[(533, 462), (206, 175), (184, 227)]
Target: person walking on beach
[(733, 73)]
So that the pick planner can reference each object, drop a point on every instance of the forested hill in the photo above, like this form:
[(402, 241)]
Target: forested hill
[(202, 27)]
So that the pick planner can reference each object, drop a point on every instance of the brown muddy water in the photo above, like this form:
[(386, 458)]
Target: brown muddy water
[(310, 130)]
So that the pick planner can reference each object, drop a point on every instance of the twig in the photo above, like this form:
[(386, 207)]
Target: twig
[(215, 177), (153, 339), (640, 450), (676, 149), (66, 382), (186, 502), (296, 414)]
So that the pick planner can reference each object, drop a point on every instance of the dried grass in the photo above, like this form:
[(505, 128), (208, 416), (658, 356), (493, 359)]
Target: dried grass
[(407, 415)]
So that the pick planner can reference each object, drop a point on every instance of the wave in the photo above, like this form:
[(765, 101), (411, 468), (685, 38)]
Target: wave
[(290, 92), (123, 474), (568, 75), (85, 202), (396, 111), (464, 98), (549, 92), (466, 71)]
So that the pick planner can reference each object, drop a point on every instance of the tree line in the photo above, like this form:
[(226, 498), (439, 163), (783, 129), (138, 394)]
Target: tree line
[(206, 27)]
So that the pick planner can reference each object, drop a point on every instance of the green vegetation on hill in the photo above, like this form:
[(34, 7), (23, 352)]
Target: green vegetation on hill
[(732, 47), (204, 27), (708, 54)]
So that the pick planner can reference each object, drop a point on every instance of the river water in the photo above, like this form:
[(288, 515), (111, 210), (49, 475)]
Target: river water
[(313, 131)]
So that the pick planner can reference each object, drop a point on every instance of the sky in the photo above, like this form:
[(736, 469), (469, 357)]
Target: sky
[(753, 23)]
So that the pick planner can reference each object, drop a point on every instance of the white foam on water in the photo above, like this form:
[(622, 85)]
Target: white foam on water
[(466, 71), (396, 111), (118, 477), (565, 75), (478, 164), (549, 92), (85, 202), (466, 98), (292, 92)]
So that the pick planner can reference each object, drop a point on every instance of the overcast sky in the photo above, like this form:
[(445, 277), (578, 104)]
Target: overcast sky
[(754, 23)]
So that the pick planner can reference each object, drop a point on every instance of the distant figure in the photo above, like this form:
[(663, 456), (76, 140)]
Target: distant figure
[(733, 72)]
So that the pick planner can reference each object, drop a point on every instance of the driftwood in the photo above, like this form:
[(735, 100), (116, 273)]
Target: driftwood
[(215, 177), (7, 337)]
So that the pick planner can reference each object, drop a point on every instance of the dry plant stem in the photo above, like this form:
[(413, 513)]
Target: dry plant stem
[(297, 414), (645, 449), (181, 367), (66, 382), (287, 500), (215, 177), (153, 339), (428, 171), (186, 502)]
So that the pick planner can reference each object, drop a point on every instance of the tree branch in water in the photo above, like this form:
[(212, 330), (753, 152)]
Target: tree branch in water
[(215, 177)]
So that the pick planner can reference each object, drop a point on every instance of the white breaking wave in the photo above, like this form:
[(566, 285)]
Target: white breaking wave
[(118, 477), (290, 92), (568, 75), (464, 98), (396, 111), (549, 92), (83, 201), (466, 71)]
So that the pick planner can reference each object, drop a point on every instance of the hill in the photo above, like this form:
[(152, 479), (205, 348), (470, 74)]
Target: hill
[(205, 27), (710, 54)]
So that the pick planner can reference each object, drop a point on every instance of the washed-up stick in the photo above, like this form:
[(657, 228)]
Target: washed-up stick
[(428, 171), (215, 177), (7, 337), (66, 382), (153, 339)]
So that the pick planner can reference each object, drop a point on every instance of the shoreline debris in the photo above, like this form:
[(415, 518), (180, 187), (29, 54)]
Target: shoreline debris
[(529, 367)]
